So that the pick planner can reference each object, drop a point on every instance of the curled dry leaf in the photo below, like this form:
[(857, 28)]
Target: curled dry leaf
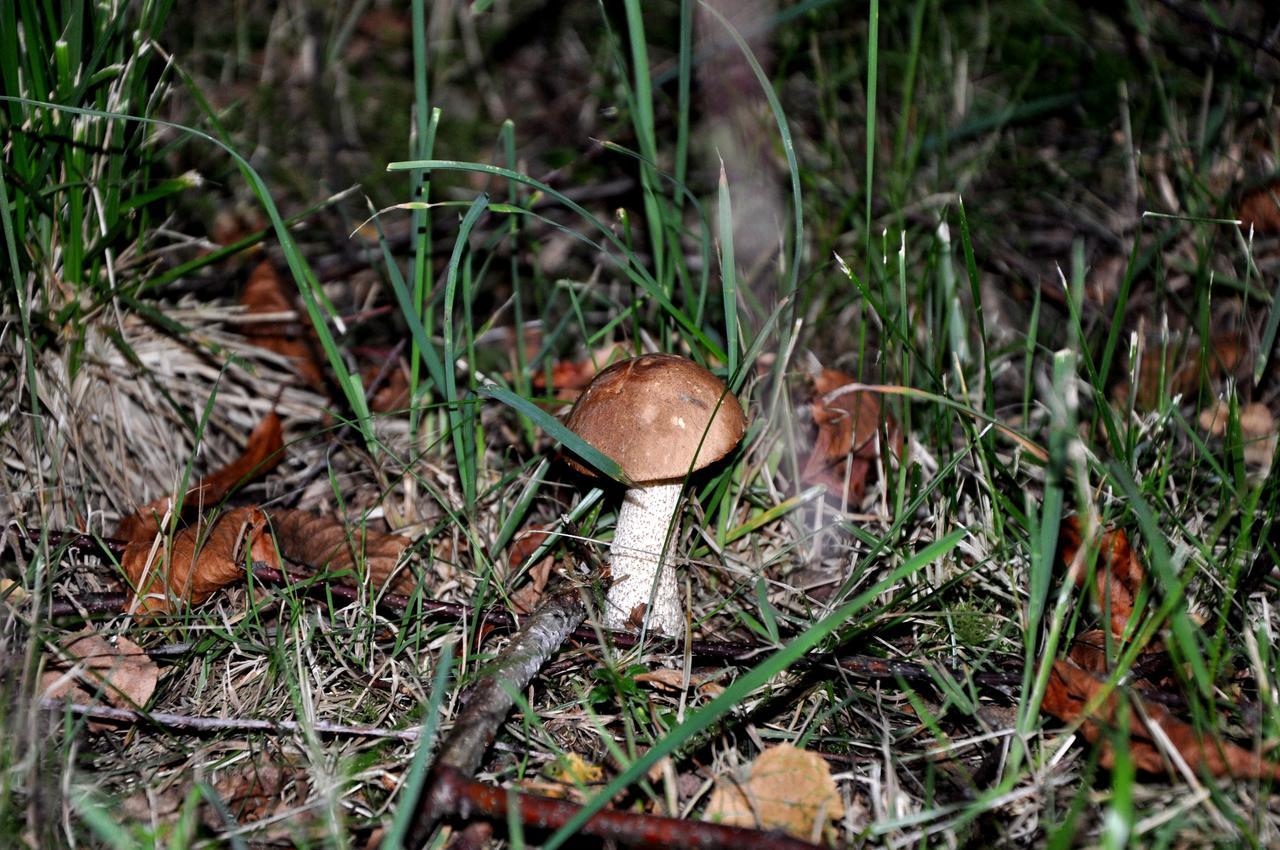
[(265, 292), (852, 429), (1076, 684), (87, 667), (199, 561), (788, 789), (325, 543), (263, 450), (1118, 574), (1072, 690)]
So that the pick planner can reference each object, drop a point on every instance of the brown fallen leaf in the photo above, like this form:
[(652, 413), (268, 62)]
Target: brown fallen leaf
[(1257, 429), (200, 560), (1260, 209), (526, 542), (852, 430), (266, 292), (252, 792), (391, 392), (1118, 574), (263, 450), (570, 377), (788, 789), (326, 543), (526, 599), (1228, 355), (1150, 725), (87, 668), (1077, 682)]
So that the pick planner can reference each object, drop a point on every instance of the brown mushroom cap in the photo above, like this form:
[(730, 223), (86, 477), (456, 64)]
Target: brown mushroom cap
[(650, 413)]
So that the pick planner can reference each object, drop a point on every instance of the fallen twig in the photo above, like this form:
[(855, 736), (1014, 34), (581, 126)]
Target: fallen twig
[(221, 724), (487, 702), (467, 798)]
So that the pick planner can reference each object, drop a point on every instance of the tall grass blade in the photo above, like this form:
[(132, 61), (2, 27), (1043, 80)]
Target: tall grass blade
[(728, 274)]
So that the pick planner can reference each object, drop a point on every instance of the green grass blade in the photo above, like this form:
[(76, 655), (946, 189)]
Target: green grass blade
[(414, 784), (633, 270), (461, 418), (728, 274), (556, 430)]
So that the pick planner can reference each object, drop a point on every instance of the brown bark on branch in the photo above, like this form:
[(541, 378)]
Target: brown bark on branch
[(487, 702), (458, 795)]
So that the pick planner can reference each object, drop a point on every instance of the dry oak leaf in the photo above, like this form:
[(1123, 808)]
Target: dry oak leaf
[(788, 789), (1072, 690), (1118, 574), (265, 292), (200, 560), (326, 543), (263, 450), (88, 667), (852, 429)]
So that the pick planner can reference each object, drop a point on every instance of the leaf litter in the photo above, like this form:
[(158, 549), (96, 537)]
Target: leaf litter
[(1078, 691)]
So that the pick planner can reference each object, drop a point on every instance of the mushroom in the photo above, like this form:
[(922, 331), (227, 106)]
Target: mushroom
[(660, 417)]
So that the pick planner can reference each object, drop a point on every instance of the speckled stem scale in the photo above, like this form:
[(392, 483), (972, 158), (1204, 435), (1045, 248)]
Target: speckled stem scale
[(637, 560)]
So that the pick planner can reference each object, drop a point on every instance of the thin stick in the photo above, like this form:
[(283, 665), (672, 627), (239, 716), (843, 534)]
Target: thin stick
[(488, 701), (467, 798), (222, 724)]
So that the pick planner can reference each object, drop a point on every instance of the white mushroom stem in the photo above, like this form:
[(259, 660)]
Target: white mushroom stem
[(638, 563)]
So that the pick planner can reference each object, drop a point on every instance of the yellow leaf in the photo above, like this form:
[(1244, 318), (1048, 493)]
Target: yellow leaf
[(573, 769), (787, 789)]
